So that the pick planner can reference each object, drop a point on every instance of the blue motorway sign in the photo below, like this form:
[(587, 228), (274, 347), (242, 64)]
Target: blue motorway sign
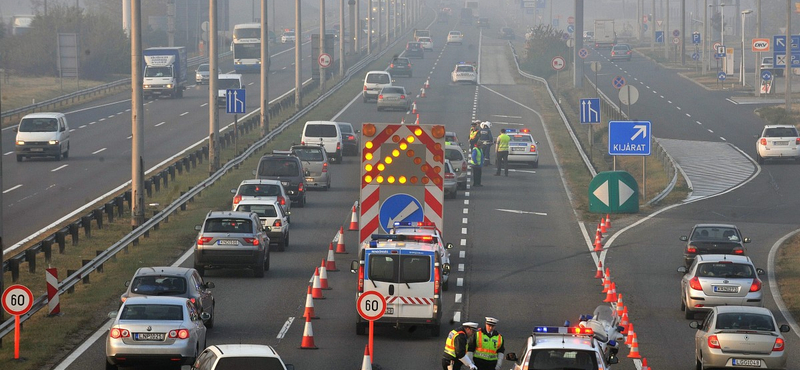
[(779, 43), (629, 138), (590, 110), (570, 28), (695, 56), (722, 76), (696, 38), (235, 101), (766, 75), (555, 22), (659, 37), (400, 207)]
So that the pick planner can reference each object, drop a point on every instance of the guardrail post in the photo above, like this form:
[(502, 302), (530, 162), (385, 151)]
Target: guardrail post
[(186, 164), (47, 248), (193, 160), (171, 170), (13, 265), (118, 202), (135, 242), (148, 187), (73, 230), (179, 167), (71, 289), (100, 266), (30, 256), (165, 177), (127, 196), (61, 239), (86, 277), (183, 205), (86, 222), (157, 182), (97, 214)]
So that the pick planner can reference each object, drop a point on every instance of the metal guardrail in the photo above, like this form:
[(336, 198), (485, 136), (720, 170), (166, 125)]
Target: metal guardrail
[(249, 120)]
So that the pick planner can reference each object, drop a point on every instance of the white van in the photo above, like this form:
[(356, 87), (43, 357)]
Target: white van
[(408, 274), (374, 81), (326, 134), (227, 81), (42, 135)]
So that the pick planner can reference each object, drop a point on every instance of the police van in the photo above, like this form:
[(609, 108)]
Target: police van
[(408, 272)]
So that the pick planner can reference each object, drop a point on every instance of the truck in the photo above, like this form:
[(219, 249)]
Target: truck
[(164, 71), (604, 34)]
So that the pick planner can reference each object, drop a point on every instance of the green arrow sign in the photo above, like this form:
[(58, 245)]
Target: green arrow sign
[(613, 192)]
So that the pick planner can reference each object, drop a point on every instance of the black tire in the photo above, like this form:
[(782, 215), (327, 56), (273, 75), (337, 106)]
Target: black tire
[(210, 323), (58, 155), (282, 245), (683, 306), (201, 270), (286, 241), (446, 285), (364, 99), (759, 158), (535, 164), (19, 158), (266, 263), (455, 194), (435, 329), (66, 154), (361, 328), (302, 202), (258, 270), (110, 366), (688, 314)]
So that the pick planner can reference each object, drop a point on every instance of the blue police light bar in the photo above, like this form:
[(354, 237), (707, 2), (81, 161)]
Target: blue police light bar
[(413, 224), (517, 131), (546, 330), (376, 237)]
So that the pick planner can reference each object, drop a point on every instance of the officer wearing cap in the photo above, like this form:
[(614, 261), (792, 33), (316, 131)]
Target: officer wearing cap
[(473, 133), (489, 346), (459, 342)]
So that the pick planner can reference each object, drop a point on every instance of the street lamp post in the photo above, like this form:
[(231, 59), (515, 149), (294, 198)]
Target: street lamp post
[(722, 22), (741, 71)]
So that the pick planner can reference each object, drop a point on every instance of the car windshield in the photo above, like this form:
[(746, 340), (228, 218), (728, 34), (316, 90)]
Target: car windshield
[(158, 72), (151, 312), (314, 130), (521, 138), (38, 125), (346, 129), (259, 190), (726, 270), (413, 45), (424, 39), (451, 138), (238, 363), (159, 285), (262, 210), (562, 359), (309, 154), (278, 168), (464, 69), (228, 225), (453, 155), (399, 269), (378, 78), (288, 34), (716, 234), (780, 132), (228, 83), (202, 68), (745, 321)]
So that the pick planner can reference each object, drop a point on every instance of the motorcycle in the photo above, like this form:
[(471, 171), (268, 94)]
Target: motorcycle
[(604, 322)]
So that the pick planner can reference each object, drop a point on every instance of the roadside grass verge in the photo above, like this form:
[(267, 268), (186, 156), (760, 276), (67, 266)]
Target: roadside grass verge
[(788, 274)]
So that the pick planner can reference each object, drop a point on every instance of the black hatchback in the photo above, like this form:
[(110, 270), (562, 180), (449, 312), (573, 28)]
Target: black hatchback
[(400, 66), (713, 239), (287, 169), (414, 50)]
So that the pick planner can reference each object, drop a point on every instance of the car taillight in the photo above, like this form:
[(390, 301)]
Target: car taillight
[(237, 199), (179, 334), (449, 175), (778, 346), (612, 52), (324, 167), (763, 141), (738, 251), (380, 96), (282, 200), (277, 223), (694, 283), (253, 241), (203, 240), (338, 146), (464, 166), (300, 187), (365, 87), (391, 65), (302, 142), (409, 65), (361, 279), (351, 137), (117, 333), (691, 249), (713, 342), (436, 281), (402, 97), (797, 141), (533, 148), (756, 286), (192, 300)]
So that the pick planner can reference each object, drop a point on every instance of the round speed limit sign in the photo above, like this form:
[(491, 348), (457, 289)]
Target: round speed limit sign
[(17, 300), (371, 305)]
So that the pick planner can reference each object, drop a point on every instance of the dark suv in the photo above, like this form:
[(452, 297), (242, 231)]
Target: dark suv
[(400, 66), (287, 169), (414, 50), (231, 239)]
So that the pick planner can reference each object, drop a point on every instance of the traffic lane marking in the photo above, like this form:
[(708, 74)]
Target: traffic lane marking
[(12, 188), (59, 168), (517, 211)]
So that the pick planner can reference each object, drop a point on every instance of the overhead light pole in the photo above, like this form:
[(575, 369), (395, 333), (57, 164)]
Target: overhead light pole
[(741, 70)]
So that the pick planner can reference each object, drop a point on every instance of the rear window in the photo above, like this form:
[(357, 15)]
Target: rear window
[(453, 155), (377, 78), (562, 359), (203, 68), (780, 132), (38, 125), (412, 45), (228, 83), (278, 167), (238, 363), (152, 312), (392, 90), (521, 138), (320, 130), (399, 268), (159, 285), (745, 321), (309, 154), (262, 210), (258, 190), (228, 225), (346, 129), (718, 234), (726, 270), (465, 69)]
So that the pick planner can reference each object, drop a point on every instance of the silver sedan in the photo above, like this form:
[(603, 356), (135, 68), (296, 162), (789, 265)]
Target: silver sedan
[(393, 97), (720, 280), (737, 336)]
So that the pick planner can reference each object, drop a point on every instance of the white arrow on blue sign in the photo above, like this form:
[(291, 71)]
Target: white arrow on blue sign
[(629, 138), (570, 28), (235, 101), (659, 37), (766, 75), (696, 38), (399, 207), (590, 110), (722, 76)]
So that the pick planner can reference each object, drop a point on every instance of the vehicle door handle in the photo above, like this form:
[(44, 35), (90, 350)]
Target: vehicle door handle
[(391, 289)]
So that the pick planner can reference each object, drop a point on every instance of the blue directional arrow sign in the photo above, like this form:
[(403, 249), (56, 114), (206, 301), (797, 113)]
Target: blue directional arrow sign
[(590, 110), (766, 75), (235, 101), (570, 28), (695, 56), (400, 207), (696, 38), (722, 76), (629, 138), (659, 37)]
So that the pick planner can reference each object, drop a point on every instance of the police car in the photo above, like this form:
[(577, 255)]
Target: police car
[(554, 347), (408, 272), (426, 232), (464, 72), (522, 148)]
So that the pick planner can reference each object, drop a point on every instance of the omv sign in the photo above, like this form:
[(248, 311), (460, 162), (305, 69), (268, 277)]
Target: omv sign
[(760, 45)]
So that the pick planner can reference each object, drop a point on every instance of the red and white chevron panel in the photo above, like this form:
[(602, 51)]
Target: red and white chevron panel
[(410, 300)]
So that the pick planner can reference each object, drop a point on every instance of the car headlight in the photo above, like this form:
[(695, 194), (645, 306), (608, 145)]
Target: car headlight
[(53, 142), (20, 143), (169, 86)]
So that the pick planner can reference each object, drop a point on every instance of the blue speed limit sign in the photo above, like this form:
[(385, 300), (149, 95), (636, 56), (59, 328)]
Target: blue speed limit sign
[(766, 75)]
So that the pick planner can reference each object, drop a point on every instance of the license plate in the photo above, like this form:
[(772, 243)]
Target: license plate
[(148, 336), (285, 183), (746, 362), (37, 149), (517, 149), (780, 143), (390, 310), (228, 242), (725, 289), (309, 179)]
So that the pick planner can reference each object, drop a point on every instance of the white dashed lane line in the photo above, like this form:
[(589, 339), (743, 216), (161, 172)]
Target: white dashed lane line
[(58, 168), (99, 151), (184, 113), (159, 124)]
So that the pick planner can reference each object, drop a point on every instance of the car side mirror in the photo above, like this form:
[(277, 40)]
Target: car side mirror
[(746, 240), (15, 129), (209, 285), (358, 131), (127, 283), (511, 356), (254, 172), (785, 328), (449, 245), (694, 325), (112, 315), (205, 316), (760, 271), (197, 227), (289, 366), (684, 238), (233, 191), (354, 266), (446, 269), (682, 269)]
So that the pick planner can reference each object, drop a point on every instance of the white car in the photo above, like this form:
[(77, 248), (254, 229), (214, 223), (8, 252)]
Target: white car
[(426, 43), (267, 190), (427, 233), (455, 37), (464, 72), (778, 142), (272, 217), (228, 356), (522, 147), (559, 347), (288, 37)]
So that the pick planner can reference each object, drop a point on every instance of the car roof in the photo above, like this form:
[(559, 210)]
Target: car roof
[(153, 299), (453, 146), (238, 350), (780, 126), (407, 245), (230, 76), (259, 182), (162, 270), (223, 214), (716, 225), (565, 341), (723, 257), (307, 147), (44, 115), (737, 309)]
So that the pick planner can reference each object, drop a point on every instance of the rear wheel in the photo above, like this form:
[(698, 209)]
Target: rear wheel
[(258, 270), (759, 158), (266, 263), (110, 366), (535, 164), (210, 322), (688, 314), (282, 245)]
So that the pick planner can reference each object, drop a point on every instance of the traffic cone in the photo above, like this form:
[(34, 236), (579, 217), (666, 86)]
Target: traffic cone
[(308, 336), (340, 241), (366, 364), (624, 323), (644, 364), (619, 304), (599, 274), (417, 121), (414, 107), (611, 295), (608, 221), (323, 277), (603, 228), (428, 83), (316, 287), (403, 121), (422, 92), (598, 243), (606, 284), (629, 336), (331, 262), (309, 312), (353, 220), (634, 348)]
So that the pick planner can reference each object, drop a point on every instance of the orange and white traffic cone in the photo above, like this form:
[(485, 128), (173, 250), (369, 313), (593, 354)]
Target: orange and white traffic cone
[(644, 364), (417, 121), (309, 312), (624, 323), (619, 304), (428, 83), (316, 286), (599, 274), (634, 348), (331, 261), (598, 243), (308, 336), (629, 336), (611, 295), (403, 121), (422, 92), (606, 284), (608, 221), (323, 277), (414, 107), (603, 228), (353, 219), (366, 364), (340, 241)]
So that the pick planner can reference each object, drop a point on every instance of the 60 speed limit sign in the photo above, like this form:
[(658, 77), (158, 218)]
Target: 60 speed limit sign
[(371, 305), (17, 300)]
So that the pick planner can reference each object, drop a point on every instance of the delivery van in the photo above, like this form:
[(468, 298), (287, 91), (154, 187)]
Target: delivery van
[(44, 134)]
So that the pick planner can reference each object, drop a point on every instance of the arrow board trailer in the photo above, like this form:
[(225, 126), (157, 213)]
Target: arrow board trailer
[(402, 176)]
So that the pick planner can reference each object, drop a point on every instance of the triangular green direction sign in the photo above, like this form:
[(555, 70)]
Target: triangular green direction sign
[(613, 192)]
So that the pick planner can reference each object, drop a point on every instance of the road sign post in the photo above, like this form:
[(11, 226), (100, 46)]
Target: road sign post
[(371, 306), (17, 301), (558, 64), (235, 102), (590, 113), (630, 138)]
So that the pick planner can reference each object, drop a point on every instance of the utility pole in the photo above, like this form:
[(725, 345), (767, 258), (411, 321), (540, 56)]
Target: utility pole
[(788, 72), (213, 82), (388, 14), (706, 51), (369, 26), (322, 36), (757, 82), (577, 60), (265, 62), (667, 33), (342, 39), (683, 32), (355, 30), (653, 29), (380, 28), (137, 117), (298, 70)]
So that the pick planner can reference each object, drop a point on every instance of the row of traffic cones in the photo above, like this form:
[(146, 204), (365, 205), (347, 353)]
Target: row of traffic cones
[(621, 311), (602, 228)]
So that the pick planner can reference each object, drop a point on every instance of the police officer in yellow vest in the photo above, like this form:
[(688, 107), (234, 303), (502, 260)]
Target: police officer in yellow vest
[(459, 343), (489, 346)]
